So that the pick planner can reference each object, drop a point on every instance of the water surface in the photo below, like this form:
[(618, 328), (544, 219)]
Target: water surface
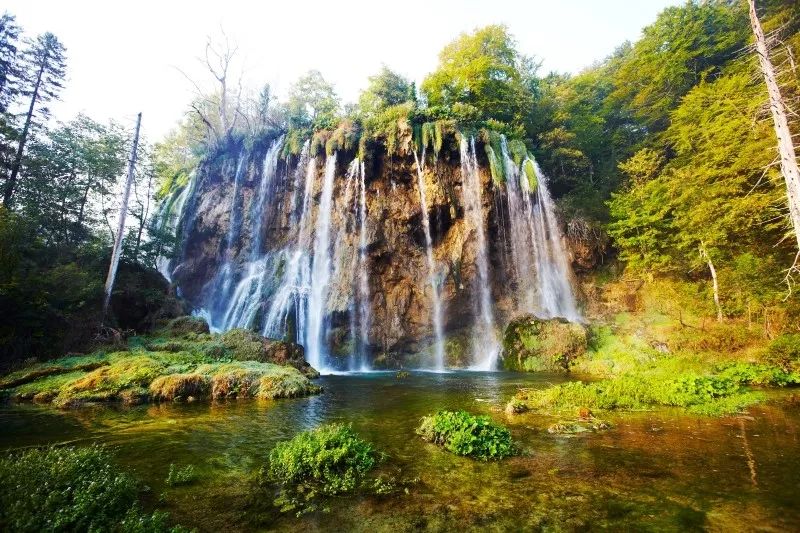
[(658, 470)]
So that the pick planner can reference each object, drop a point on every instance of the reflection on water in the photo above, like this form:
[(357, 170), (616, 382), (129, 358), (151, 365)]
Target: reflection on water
[(660, 470)]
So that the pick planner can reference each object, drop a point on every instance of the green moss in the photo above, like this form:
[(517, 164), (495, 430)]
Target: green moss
[(71, 489), (464, 434), (533, 345), (529, 169), (193, 365), (326, 461)]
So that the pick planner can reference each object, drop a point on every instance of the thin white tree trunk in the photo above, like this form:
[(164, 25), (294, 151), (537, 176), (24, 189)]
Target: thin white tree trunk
[(789, 168), (123, 211), (715, 282)]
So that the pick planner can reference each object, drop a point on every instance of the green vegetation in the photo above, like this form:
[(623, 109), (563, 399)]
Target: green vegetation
[(181, 476), (532, 345), (193, 366), (72, 489), (326, 461), (464, 434)]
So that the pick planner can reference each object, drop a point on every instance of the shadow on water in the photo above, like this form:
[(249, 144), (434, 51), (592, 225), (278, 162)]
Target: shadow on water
[(654, 470)]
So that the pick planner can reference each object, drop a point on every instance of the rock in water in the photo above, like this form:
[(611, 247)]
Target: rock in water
[(533, 344)]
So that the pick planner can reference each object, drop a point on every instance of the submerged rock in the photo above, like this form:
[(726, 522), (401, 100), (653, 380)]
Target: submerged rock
[(533, 344)]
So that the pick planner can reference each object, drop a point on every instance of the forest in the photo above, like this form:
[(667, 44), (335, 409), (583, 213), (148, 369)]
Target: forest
[(499, 298)]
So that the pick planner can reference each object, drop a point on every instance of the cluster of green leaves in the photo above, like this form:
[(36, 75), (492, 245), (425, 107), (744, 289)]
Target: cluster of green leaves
[(72, 489), (181, 476), (325, 461), (462, 433)]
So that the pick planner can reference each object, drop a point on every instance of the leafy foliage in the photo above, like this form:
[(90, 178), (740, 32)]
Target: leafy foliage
[(181, 476), (325, 461), (71, 489), (464, 434)]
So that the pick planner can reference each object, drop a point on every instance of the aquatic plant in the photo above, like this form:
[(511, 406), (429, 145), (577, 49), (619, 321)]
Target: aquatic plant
[(181, 476), (325, 461), (464, 434), (71, 489)]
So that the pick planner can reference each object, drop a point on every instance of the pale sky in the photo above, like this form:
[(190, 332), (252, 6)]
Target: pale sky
[(123, 57)]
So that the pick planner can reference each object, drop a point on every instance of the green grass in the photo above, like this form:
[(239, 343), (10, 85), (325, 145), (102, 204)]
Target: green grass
[(722, 392), (71, 489), (464, 434)]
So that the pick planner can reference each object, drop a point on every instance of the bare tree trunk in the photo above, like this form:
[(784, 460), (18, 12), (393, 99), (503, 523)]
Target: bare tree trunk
[(123, 210), (704, 255), (789, 168)]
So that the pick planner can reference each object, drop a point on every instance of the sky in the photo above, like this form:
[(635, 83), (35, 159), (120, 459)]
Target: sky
[(126, 57)]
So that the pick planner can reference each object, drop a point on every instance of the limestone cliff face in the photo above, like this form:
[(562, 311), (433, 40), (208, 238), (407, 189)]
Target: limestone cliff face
[(399, 292)]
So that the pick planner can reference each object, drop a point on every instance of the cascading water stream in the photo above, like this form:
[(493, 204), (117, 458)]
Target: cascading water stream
[(316, 351), (245, 301), (169, 217), (485, 345), (360, 319), (541, 267), (436, 302)]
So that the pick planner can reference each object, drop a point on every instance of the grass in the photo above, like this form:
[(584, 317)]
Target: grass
[(181, 476), (326, 461), (721, 390), (189, 365), (72, 489), (464, 434)]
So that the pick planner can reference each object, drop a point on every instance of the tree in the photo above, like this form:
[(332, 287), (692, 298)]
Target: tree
[(9, 34), (312, 103), (385, 89), (685, 45), (478, 76), (789, 168), (43, 69)]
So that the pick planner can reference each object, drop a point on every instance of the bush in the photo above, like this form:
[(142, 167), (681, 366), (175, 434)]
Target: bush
[(71, 489), (784, 352), (325, 461), (464, 434)]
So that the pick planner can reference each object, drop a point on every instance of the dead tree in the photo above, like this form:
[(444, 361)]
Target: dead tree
[(789, 168)]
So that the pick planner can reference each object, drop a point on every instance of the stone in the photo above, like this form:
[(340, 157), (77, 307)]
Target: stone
[(533, 344)]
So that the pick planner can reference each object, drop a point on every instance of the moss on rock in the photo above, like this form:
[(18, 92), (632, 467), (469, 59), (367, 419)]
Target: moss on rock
[(532, 344)]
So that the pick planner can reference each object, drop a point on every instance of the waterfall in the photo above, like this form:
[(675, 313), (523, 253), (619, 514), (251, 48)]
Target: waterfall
[(360, 316), (294, 285), (436, 303), (485, 345), (320, 272), (168, 219), (541, 267)]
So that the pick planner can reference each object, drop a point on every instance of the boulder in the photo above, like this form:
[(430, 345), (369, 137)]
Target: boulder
[(533, 344), (246, 345)]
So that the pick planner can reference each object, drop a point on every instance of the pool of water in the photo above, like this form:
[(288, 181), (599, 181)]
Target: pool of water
[(658, 470)]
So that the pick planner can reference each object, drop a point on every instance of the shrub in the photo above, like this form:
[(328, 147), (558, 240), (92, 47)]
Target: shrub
[(325, 461), (71, 489), (784, 352), (464, 434), (180, 476)]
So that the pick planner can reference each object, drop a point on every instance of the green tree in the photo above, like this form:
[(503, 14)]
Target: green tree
[(478, 78), (312, 103), (385, 89), (43, 69)]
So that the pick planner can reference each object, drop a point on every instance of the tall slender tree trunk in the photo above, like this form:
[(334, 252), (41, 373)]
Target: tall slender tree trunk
[(789, 168), (12, 178), (715, 282), (123, 211)]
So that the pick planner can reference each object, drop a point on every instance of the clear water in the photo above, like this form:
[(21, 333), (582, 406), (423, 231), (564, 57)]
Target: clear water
[(653, 471)]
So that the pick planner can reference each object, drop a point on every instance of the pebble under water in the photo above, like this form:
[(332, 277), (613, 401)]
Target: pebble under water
[(659, 470)]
